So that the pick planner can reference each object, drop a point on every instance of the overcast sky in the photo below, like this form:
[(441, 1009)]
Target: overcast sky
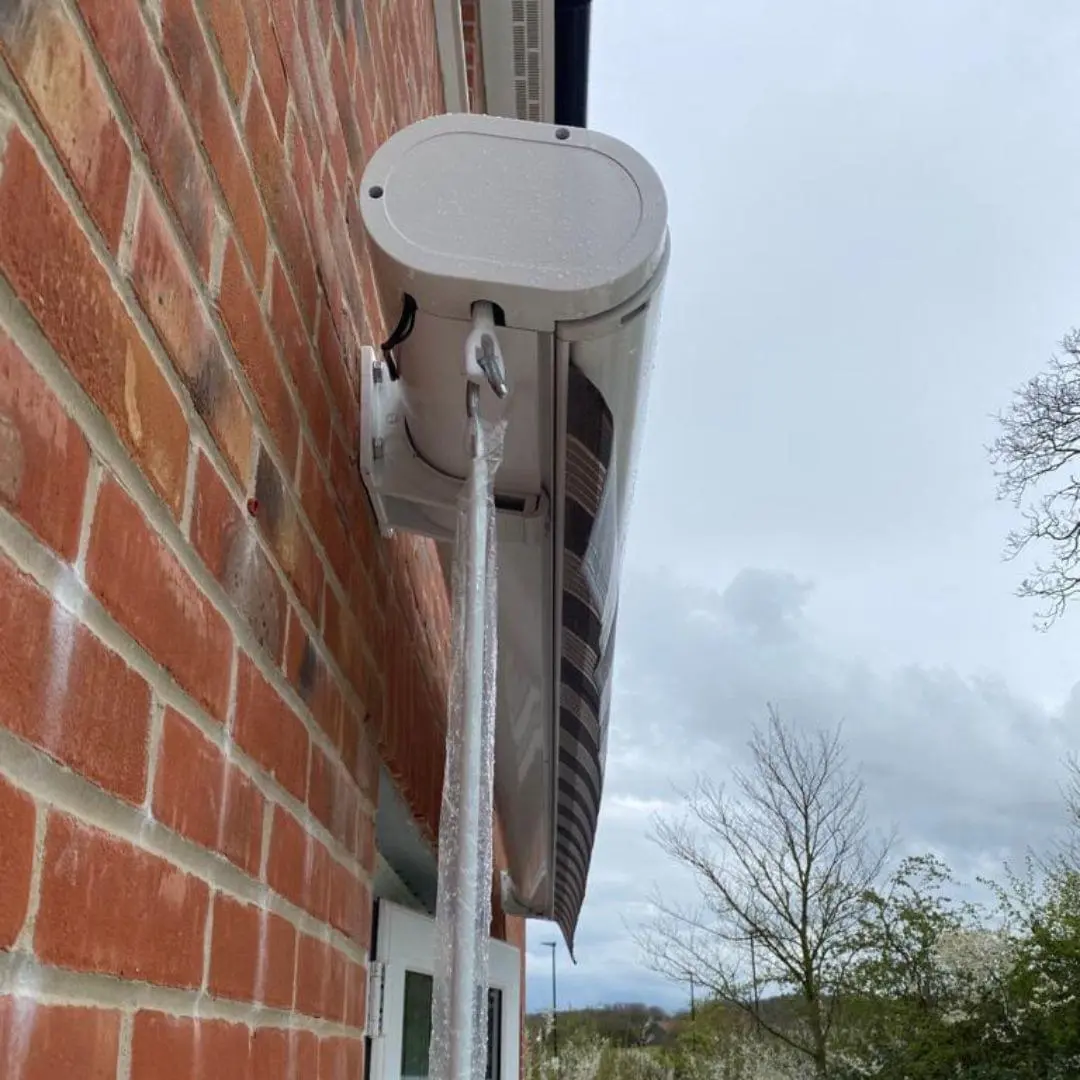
[(875, 216)]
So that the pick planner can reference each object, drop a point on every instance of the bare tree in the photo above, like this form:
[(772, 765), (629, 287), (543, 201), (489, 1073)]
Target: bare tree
[(1036, 457), (784, 865)]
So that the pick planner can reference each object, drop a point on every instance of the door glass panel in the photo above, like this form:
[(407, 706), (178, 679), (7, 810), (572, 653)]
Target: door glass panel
[(416, 1026), (416, 1029)]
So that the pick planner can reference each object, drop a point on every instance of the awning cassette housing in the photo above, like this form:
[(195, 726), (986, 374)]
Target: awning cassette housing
[(564, 232)]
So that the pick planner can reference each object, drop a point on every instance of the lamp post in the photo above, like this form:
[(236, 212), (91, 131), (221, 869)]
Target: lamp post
[(554, 1005)]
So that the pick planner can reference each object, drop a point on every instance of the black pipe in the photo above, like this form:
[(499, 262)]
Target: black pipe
[(572, 62)]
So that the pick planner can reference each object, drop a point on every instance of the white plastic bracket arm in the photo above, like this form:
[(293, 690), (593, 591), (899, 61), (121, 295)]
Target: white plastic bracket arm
[(483, 356)]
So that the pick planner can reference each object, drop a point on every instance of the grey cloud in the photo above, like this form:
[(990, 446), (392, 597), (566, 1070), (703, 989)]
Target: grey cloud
[(960, 766)]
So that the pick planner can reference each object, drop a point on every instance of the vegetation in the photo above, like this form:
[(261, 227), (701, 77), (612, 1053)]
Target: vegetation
[(855, 973), (1035, 454)]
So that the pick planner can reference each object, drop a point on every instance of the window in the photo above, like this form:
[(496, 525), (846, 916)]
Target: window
[(406, 946)]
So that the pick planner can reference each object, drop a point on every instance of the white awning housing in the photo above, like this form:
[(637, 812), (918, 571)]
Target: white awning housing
[(565, 232)]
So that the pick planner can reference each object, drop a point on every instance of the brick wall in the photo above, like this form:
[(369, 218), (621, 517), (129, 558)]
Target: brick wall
[(470, 25), (205, 648)]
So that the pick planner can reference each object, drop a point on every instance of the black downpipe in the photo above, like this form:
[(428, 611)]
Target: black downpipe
[(572, 62)]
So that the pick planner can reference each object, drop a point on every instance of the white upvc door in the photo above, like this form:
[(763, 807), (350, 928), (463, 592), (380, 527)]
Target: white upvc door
[(405, 953)]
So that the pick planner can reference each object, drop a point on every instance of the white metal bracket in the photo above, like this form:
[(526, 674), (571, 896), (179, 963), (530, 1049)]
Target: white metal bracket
[(406, 491)]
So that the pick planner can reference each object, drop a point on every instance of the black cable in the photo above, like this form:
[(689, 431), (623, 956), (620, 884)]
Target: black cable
[(401, 332)]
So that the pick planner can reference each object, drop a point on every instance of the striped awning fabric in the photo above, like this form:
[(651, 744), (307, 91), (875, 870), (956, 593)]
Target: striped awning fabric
[(588, 617)]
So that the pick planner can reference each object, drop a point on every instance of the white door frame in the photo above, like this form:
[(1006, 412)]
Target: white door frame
[(405, 941)]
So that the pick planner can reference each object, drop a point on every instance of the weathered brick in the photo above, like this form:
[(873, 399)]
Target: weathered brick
[(42, 1042), (146, 589), (299, 866), (251, 342), (314, 977), (287, 535), (312, 680), (355, 995), (200, 794), (322, 511), (44, 457), (295, 346), (267, 59), (352, 503), (268, 157), (188, 53), (17, 818), (340, 1059), (167, 1047), (168, 296), (225, 539), (343, 394), (124, 43), (346, 111), (58, 78), (112, 908), (350, 905), (230, 28), (52, 268), (64, 691), (252, 955), (297, 72), (268, 730)]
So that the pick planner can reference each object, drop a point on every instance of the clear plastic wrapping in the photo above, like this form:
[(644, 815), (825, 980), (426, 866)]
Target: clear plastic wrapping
[(463, 912)]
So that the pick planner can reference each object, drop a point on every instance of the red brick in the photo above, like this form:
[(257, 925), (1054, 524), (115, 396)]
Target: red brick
[(230, 29), (337, 222), (43, 1042), (206, 798), (352, 503), (344, 397), (270, 1053), (360, 755), (112, 908), (314, 967), (341, 1059), (350, 905), (275, 979), (311, 679), (44, 458), (64, 691), (346, 112), (286, 534), (124, 43), (225, 539), (323, 514), (268, 730), (253, 954), (57, 76), (50, 265), (151, 595), (168, 296), (298, 73), (305, 1051), (268, 157), (250, 341), (289, 328), (17, 818), (285, 1054), (268, 59), (355, 995), (189, 55), (181, 1048), (345, 641), (299, 867)]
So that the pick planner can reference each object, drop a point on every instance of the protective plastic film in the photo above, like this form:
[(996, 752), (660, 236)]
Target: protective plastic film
[(463, 909)]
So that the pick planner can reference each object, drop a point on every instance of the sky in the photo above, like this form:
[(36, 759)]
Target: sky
[(875, 220)]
